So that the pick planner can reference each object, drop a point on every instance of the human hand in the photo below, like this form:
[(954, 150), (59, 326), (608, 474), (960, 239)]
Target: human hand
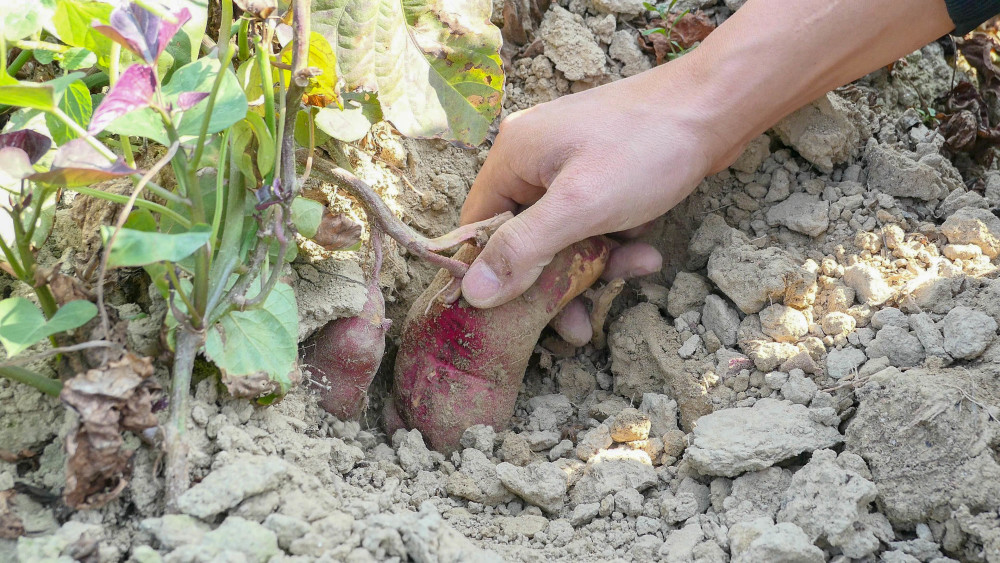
[(602, 161)]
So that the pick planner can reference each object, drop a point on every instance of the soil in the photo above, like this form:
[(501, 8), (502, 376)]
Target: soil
[(813, 376)]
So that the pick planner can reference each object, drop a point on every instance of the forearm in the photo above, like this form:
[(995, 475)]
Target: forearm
[(774, 56)]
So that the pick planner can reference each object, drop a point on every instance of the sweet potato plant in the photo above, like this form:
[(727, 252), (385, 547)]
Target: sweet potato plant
[(225, 122)]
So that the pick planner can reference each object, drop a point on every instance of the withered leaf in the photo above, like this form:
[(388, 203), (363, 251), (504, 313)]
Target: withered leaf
[(978, 50), (959, 131), (337, 231), (117, 397), (689, 30), (11, 526)]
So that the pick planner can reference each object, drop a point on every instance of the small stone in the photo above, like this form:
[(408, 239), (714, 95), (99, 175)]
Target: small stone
[(630, 425), (477, 480), (868, 284), (687, 293), (583, 514), (799, 389), (894, 173), (674, 443), (662, 412), (802, 213), (690, 347), (755, 153), (594, 441), (928, 334), (732, 441), (841, 362), (838, 323), (782, 543), (721, 319), (175, 530), (889, 316), (968, 332), (973, 225), (821, 132), (571, 46), (775, 379), (613, 471), (625, 49), (783, 324), (526, 525), (414, 456), (229, 485), (780, 187), (541, 484), (629, 502), (515, 449), (560, 450), (901, 347), (961, 251), (752, 278), (627, 8), (479, 437)]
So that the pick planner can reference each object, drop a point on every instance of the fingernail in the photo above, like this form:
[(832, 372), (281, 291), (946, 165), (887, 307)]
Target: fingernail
[(480, 285)]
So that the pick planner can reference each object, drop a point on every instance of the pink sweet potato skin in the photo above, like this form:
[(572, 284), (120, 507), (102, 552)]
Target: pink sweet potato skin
[(458, 366), (342, 358)]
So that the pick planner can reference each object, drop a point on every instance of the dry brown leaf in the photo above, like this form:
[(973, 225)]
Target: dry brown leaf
[(256, 385), (689, 30), (11, 526), (337, 231), (117, 397)]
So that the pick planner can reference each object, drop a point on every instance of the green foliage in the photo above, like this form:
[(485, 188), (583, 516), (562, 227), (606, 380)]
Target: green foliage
[(245, 343), (139, 248), (75, 103), (71, 23), (437, 71), (22, 325), (19, 23)]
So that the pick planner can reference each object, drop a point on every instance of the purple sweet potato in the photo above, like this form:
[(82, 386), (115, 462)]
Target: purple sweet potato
[(342, 358), (458, 366)]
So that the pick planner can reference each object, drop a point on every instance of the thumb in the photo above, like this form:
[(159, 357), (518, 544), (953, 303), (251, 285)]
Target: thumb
[(515, 255)]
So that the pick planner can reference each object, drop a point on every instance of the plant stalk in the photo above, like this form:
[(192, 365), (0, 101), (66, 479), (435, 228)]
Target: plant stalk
[(44, 384), (177, 475)]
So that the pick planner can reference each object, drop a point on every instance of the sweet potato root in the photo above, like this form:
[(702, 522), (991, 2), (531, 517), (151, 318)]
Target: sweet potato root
[(458, 366), (342, 357)]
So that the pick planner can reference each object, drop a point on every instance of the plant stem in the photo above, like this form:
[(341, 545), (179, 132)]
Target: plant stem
[(241, 39), (80, 131), (141, 203), (225, 29), (203, 132), (177, 477), (267, 81), (44, 384), (296, 88), (379, 213), (18, 62)]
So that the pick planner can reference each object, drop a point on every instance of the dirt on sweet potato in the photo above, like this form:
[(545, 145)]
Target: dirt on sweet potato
[(458, 366)]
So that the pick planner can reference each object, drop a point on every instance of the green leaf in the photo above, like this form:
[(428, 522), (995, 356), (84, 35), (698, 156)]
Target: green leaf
[(77, 58), (436, 66), (321, 56), (78, 105), (246, 343), (306, 215), (43, 56), (139, 248), (28, 95), (265, 144), (72, 21), (351, 123), (230, 105), (21, 22), (22, 324)]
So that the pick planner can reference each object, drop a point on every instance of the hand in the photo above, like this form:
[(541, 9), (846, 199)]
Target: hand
[(602, 161)]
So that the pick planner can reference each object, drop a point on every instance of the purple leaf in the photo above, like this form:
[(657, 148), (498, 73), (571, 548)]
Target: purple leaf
[(14, 164), (133, 91), (141, 31), (32, 143), (78, 164), (187, 100)]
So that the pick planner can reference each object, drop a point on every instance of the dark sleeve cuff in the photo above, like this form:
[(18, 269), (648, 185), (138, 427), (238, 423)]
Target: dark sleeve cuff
[(969, 14)]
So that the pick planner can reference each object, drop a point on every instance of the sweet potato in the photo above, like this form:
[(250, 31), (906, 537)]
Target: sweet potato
[(342, 357), (458, 366)]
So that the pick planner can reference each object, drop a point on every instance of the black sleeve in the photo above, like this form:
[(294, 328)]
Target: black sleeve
[(968, 14)]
